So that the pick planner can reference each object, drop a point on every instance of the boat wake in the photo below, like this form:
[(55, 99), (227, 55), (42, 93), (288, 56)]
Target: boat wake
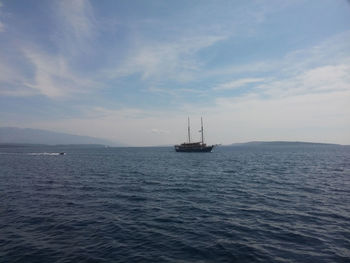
[(42, 153), (45, 153)]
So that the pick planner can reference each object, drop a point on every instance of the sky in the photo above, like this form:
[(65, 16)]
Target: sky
[(133, 71)]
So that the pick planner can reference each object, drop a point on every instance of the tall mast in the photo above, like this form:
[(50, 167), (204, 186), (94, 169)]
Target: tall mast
[(189, 133), (202, 130)]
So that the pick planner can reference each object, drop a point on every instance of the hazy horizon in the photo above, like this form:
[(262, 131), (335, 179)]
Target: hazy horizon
[(133, 72), (15, 135)]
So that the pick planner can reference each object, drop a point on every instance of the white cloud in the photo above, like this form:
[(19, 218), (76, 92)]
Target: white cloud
[(313, 117), (178, 92), (324, 79), (159, 131), (2, 26), (76, 26), (175, 58), (165, 60), (13, 81), (53, 77), (281, 110), (54, 73), (318, 117), (333, 51), (327, 77), (238, 83), (303, 96), (310, 106)]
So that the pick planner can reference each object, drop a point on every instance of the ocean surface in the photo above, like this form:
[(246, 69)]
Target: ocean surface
[(236, 204)]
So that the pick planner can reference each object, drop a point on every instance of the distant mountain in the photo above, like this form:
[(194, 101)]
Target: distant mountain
[(35, 136), (280, 143)]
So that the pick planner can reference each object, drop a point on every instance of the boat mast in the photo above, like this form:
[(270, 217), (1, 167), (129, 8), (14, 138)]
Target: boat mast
[(202, 130), (188, 129)]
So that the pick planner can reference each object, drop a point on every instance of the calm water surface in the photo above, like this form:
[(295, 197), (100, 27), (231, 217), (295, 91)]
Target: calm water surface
[(241, 204)]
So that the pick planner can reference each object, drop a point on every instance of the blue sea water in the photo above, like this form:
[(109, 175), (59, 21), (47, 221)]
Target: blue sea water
[(236, 204)]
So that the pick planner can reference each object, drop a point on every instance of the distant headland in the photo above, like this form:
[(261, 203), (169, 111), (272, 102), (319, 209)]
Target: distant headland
[(281, 143), (36, 137)]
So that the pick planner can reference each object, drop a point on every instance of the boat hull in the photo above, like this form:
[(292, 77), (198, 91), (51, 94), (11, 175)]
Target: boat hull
[(180, 148)]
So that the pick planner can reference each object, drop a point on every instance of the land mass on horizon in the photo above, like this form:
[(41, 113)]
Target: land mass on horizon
[(279, 143), (15, 137)]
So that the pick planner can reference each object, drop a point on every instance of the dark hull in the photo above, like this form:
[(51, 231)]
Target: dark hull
[(180, 148)]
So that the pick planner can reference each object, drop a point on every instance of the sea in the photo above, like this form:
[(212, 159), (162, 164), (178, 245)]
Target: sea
[(272, 203)]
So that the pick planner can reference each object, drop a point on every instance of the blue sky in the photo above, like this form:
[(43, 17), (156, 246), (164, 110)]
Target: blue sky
[(132, 71)]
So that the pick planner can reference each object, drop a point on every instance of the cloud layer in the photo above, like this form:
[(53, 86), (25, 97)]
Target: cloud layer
[(101, 70)]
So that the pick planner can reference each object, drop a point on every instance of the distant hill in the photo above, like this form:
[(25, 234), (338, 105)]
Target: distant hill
[(280, 143), (14, 135)]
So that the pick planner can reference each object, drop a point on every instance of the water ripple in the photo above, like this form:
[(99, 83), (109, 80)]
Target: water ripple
[(151, 204)]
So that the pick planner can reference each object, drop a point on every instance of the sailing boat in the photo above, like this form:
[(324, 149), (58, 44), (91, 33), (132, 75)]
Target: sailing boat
[(194, 146)]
